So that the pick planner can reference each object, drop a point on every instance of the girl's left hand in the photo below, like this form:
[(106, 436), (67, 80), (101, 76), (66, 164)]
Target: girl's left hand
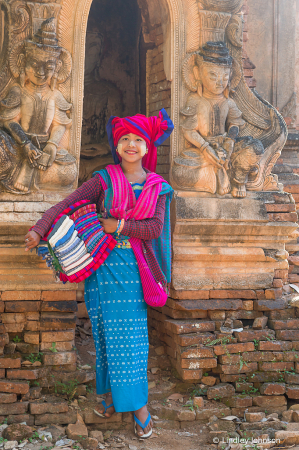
[(109, 225)]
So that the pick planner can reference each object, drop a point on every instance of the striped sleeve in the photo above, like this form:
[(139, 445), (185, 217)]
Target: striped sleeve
[(90, 190)]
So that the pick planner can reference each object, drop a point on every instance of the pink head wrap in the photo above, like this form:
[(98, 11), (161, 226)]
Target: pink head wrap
[(154, 130)]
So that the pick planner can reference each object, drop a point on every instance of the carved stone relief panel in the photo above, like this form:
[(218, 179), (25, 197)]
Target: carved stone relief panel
[(231, 137), (35, 117)]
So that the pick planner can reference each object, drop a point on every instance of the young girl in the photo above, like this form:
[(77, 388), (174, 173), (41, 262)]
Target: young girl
[(136, 203)]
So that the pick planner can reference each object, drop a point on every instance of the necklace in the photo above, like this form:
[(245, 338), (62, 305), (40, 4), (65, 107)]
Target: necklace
[(133, 182)]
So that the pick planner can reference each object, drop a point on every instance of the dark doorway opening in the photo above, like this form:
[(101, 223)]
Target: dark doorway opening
[(115, 76)]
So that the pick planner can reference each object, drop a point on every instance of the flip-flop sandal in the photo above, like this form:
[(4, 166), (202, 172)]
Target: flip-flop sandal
[(143, 426), (103, 414)]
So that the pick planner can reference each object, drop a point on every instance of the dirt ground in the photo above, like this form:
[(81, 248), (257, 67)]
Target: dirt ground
[(193, 437)]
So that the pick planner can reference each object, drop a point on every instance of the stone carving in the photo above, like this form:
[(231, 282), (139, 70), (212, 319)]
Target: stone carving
[(34, 116), (230, 6), (289, 110), (232, 137), (214, 158)]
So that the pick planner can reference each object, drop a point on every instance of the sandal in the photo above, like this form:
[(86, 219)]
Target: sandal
[(143, 426), (103, 413)]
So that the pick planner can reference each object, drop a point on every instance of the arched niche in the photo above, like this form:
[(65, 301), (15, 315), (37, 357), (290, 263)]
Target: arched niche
[(72, 26)]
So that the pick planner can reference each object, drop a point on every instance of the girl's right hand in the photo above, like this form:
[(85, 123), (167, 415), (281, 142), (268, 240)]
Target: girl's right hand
[(32, 240)]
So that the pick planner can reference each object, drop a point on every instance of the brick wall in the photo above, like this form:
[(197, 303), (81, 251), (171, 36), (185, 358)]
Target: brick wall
[(158, 95)]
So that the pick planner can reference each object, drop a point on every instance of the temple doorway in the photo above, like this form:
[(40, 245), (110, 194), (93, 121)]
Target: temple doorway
[(114, 76)]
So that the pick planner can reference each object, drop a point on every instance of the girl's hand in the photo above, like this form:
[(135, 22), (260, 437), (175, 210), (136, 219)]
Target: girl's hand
[(32, 240), (109, 225)]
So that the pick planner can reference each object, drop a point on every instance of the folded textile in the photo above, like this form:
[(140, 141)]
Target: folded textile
[(77, 243)]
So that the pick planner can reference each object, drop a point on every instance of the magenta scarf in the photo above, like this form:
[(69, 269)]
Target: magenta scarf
[(125, 206)]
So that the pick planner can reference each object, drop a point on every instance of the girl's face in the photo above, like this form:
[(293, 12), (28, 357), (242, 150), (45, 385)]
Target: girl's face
[(131, 147)]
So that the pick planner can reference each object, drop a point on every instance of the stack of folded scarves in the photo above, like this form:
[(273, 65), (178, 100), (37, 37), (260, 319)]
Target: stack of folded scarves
[(76, 243)]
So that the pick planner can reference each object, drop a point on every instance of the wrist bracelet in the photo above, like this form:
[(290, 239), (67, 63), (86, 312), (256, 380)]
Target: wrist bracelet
[(122, 224), (118, 225)]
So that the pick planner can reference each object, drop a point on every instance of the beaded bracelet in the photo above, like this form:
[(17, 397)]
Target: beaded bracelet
[(118, 226), (122, 224)]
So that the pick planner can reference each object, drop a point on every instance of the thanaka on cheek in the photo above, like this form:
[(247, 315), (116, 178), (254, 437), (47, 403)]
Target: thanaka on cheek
[(120, 149), (143, 149)]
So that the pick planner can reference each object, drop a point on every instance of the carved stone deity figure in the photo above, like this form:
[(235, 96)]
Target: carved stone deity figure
[(214, 159), (33, 116)]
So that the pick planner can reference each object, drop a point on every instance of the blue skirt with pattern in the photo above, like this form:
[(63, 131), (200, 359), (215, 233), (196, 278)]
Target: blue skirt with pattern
[(118, 314)]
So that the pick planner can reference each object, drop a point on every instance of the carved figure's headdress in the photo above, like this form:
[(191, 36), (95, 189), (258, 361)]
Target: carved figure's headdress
[(216, 53), (44, 40), (210, 53)]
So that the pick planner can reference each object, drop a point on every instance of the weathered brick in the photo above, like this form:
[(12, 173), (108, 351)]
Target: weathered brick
[(269, 401), (57, 321), (268, 305), (184, 326), (238, 401), (13, 318), (293, 392), (266, 377), (8, 398), (190, 295), (13, 408), (20, 295), (292, 324), (2, 328), (248, 305), (54, 296), (273, 389), (15, 327), (59, 418), (221, 390), (48, 408), (59, 358), (10, 363), (292, 378), (23, 374), (281, 273), (263, 356), (216, 315), (59, 306), (252, 417), (32, 326), (198, 352), (243, 387), (230, 359), (234, 348), (227, 293), (14, 387), (4, 340), (31, 338), (207, 363), (23, 347), (287, 438), (237, 368), (261, 335), (60, 346), (22, 306), (260, 323), (275, 345), (275, 366), (32, 315), (57, 336), (287, 335)]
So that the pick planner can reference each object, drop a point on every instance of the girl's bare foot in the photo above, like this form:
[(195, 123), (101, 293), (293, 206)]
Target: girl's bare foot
[(142, 415), (101, 408)]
